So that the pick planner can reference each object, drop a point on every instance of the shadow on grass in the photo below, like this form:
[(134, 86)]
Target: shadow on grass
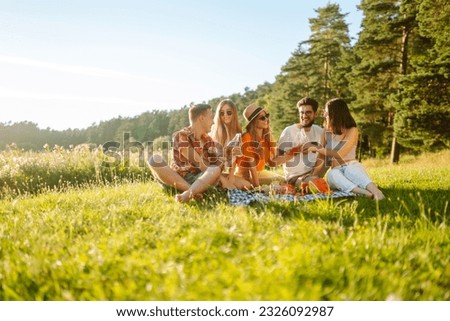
[(209, 200), (408, 203), (415, 203), (412, 204)]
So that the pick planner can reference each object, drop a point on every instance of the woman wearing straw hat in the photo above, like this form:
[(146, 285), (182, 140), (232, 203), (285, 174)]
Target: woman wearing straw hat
[(258, 148)]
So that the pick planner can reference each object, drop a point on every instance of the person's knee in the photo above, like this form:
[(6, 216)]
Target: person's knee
[(156, 161), (335, 179), (332, 175)]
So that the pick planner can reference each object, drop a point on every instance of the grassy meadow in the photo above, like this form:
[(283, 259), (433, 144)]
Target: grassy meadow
[(70, 230)]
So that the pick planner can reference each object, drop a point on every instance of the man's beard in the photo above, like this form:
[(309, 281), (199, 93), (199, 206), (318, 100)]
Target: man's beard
[(307, 125)]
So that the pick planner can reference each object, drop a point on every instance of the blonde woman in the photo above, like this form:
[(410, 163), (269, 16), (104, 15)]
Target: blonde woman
[(226, 123), (226, 127)]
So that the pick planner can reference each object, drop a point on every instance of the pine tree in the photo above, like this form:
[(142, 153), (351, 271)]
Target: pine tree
[(384, 48), (328, 43), (422, 104), (375, 74), (315, 68)]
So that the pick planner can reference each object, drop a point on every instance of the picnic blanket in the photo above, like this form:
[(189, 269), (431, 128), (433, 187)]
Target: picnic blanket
[(244, 198)]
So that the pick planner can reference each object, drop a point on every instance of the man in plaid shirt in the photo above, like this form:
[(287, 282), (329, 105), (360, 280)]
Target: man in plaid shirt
[(195, 164)]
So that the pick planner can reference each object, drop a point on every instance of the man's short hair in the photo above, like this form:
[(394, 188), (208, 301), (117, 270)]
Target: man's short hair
[(307, 101), (197, 110)]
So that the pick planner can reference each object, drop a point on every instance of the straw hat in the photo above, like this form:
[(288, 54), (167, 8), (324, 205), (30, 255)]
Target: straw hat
[(251, 112)]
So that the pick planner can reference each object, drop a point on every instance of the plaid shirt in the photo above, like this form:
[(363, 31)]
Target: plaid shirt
[(184, 138)]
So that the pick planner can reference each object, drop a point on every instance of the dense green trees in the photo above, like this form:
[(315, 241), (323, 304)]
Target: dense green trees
[(395, 78), (423, 100), (27, 135), (375, 75)]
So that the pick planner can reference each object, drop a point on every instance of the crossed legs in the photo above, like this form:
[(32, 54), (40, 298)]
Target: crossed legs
[(168, 176), (207, 179), (165, 174)]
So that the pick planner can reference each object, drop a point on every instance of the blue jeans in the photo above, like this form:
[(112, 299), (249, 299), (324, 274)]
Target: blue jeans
[(348, 176)]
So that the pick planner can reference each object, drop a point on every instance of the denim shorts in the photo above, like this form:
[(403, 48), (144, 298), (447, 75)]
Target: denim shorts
[(191, 178)]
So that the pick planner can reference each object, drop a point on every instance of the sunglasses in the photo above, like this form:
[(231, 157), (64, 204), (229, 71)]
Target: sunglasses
[(263, 118), (229, 113)]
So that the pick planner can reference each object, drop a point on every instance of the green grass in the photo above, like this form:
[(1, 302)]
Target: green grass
[(133, 242), (29, 173)]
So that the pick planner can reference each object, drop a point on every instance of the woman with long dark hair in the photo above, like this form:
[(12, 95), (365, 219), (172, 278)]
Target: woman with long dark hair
[(338, 143)]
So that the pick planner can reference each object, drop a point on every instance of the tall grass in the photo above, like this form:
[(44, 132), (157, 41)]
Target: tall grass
[(134, 242), (27, 172)]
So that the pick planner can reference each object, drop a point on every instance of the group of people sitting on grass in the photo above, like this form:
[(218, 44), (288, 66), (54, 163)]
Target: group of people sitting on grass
[(214, 151)]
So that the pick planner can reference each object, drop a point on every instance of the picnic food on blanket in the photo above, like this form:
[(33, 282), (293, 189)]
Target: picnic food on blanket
[(314, 186), (319, 185), (285, 188)]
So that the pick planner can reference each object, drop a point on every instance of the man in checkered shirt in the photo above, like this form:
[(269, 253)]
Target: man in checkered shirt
[(195, 165)]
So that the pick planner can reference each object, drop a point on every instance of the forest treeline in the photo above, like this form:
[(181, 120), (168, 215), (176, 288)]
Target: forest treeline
[(395, 77)]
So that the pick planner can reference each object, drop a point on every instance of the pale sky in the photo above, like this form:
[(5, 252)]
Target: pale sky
[(69, 64)]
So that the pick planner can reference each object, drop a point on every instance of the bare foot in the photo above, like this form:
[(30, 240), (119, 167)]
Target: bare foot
[(186, 196), (183, 197), (362, 191), (378, 196)]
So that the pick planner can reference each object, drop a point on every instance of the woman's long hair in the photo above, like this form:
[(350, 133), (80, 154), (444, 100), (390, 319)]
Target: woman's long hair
[(220, 132), (339, 116)]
